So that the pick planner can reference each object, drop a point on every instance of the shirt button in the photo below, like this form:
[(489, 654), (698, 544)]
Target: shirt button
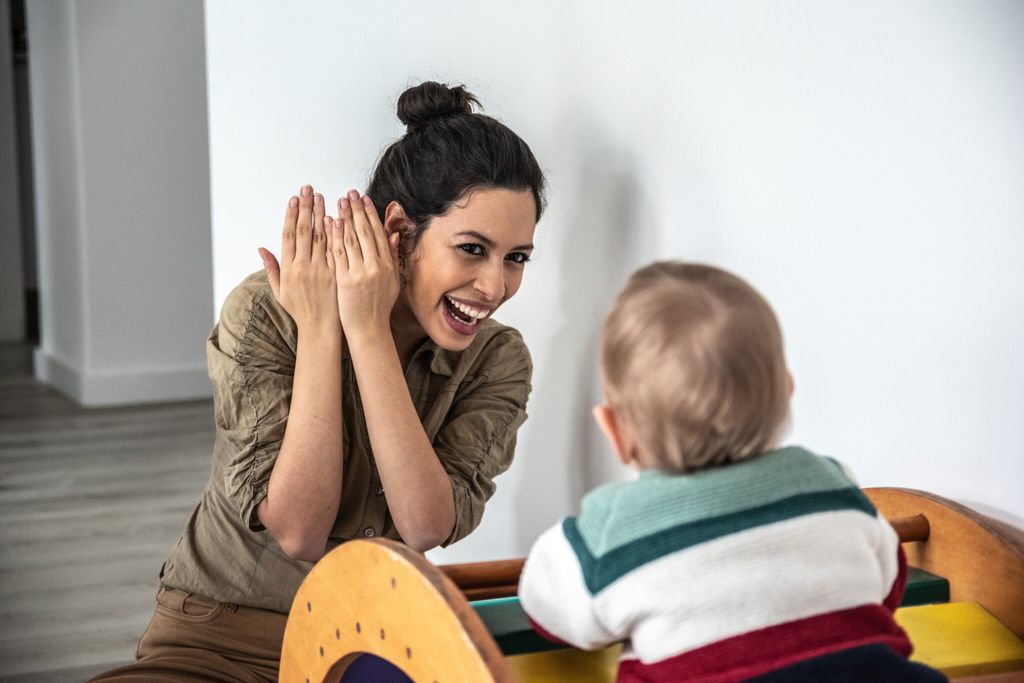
[(369, 532), (380, 490)]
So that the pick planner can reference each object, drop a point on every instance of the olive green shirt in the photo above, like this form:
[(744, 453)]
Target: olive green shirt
[(471, 404)]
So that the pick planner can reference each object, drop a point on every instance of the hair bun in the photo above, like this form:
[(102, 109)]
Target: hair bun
[(430, 100)]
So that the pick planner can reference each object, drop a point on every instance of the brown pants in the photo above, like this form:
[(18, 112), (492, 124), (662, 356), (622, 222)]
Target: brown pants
[(192, 638)]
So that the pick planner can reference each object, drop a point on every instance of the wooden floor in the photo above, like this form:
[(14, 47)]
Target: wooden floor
[(91, 502)]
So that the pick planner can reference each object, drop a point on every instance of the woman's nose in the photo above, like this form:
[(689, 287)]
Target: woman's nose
[(490, 282)]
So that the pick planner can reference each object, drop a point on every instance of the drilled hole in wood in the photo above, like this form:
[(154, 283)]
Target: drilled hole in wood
[(309, 607), (393, 583), (359, 629), (321, 650), (408, 653), (382, 634), (337, 634)]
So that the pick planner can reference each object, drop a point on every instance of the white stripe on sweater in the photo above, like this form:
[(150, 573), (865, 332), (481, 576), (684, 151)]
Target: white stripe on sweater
[(552, 591), (798, 568)]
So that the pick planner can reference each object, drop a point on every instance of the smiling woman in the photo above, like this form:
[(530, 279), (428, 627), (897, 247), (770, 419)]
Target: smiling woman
[(362, 387)]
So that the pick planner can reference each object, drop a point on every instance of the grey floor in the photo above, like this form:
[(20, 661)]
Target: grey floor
[(91, 502)]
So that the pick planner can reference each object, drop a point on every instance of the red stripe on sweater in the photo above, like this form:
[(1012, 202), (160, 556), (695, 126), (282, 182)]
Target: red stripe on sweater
[(767, 649), (895, 597), (544, 633)]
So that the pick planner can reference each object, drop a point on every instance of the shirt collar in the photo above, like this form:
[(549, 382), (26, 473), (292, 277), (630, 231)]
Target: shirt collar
[(443, 361)]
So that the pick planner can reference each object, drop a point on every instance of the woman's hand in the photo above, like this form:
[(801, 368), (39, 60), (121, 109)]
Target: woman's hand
[(366, 269), (304, 282)]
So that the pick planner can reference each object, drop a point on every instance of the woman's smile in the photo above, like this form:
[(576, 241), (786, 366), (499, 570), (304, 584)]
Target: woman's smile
[(464, 317)]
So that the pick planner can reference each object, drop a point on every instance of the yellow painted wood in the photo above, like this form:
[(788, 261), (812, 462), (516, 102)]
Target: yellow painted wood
[(380, 597), (566, 666), (961, 639)]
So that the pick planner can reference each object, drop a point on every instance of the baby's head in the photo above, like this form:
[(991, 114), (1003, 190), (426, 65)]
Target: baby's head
[(693, 369)]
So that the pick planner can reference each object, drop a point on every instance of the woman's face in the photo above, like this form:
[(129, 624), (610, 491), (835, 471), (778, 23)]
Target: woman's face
[(468, 263)]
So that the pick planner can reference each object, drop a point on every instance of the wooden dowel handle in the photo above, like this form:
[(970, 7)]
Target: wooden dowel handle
[(915, 528), (491, 592), (483, 580), (484, 574)]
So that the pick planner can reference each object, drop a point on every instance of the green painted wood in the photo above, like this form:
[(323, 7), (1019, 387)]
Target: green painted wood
[(507, 622), (924, 588)]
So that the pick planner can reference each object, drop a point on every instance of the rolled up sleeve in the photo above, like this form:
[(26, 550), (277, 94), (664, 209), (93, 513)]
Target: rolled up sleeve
[(478, 440), (251, 362)]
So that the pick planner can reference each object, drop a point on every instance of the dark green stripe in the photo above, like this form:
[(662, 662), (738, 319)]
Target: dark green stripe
[(924, 588), (599, 573)]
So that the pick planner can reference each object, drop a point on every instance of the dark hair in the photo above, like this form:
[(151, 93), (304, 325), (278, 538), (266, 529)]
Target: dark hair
[(448, 150)]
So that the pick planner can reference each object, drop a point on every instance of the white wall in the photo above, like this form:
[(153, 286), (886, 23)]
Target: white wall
[(118, 96), (861, 163), (12, 290)]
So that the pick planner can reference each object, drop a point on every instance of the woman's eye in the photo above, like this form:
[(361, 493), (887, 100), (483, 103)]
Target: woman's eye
[(518, 257), (472, 249)]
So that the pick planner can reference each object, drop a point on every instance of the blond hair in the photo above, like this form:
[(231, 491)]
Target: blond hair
[(692, 361)]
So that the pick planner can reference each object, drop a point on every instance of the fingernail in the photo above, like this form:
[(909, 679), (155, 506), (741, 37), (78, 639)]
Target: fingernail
[(343, 203), (353, 195), (293, 202), (306, 190), (318, 199)]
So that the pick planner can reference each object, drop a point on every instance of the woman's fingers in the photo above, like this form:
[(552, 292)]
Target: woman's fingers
[(291, 214), (376, 228), (363, 231), (273, 269), (340, 253), (304, 224), (350, 239), (329, 237), (319, 242)]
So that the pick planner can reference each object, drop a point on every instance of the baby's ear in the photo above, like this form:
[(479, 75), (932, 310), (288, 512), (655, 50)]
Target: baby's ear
[(608, 421)]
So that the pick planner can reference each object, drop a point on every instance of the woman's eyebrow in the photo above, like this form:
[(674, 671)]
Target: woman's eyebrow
[(489, 243)]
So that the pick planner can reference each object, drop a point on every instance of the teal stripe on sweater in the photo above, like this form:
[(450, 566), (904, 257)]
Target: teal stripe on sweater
[(600, 572), (616, 514)]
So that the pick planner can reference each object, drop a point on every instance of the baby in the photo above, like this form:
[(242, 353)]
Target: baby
[(728, 558)]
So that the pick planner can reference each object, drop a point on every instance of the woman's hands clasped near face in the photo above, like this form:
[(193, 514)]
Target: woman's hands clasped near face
[(335, 274), (366, 264)]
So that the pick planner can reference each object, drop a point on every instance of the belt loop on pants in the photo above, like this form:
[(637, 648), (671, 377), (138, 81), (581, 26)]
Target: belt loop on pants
[(173, 598)]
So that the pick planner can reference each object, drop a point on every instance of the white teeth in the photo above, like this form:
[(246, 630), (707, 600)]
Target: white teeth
[(474, 313)]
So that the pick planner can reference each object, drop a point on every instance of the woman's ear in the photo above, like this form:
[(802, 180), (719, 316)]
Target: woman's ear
[(395, 220), (397, 226)]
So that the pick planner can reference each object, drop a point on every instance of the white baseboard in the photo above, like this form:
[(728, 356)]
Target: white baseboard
[(139, 385)]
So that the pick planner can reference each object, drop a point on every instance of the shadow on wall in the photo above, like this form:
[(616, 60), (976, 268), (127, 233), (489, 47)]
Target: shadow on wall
[(565, 455)]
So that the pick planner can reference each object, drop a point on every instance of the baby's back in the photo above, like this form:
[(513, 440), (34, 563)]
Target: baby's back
[(751, 565)]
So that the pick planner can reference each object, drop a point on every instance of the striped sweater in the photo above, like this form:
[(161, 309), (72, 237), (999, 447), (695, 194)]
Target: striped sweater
[(721, 574)]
